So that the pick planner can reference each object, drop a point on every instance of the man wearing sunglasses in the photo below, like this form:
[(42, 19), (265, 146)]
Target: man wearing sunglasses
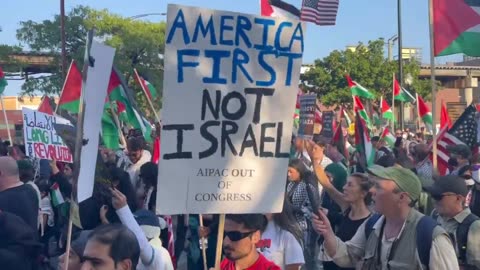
[(242, 233), (449, 193)]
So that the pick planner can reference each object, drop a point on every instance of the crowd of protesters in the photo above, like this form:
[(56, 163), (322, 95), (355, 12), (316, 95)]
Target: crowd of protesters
[(338, 213)]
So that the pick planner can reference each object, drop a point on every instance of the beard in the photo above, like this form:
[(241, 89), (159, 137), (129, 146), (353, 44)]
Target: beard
[(232, 254)]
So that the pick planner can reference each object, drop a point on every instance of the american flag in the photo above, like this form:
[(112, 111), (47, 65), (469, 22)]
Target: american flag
[(464, 131), (319, 12), (171, 240)]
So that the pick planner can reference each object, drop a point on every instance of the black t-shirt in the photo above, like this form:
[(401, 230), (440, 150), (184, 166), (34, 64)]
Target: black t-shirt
[(23, 202), (345, 231)]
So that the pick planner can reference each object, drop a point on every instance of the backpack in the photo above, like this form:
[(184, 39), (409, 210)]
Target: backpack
[(462, 235), (425, 228)]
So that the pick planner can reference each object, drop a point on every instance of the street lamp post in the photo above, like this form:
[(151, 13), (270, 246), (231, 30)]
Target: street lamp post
[(134, 17), (400, 55), (390, 43)]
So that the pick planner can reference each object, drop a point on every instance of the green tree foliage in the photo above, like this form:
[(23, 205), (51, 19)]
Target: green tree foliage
[(138, 44), (366, 65)]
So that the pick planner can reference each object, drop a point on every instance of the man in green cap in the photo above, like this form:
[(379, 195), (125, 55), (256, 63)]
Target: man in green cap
[(398, 237)]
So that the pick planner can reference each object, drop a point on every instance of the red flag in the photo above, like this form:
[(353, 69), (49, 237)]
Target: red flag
[(45, 107), (171, 240), (444, 118), (72, 89), (156, 150)]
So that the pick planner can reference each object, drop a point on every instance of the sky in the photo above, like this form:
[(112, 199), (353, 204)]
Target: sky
[(357, 21)]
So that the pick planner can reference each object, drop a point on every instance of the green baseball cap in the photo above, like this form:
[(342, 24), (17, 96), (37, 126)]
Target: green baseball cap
[(405, 179)]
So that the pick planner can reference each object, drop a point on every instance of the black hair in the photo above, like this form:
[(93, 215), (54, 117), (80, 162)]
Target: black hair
[(124, 185), (387, 160), (135, 144), (149, 174), (286, 221), (255, 222), (298, 165), (123, 243), (43, 186)]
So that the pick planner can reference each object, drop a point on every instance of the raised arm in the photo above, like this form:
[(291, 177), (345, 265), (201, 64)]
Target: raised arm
[(322, 178)]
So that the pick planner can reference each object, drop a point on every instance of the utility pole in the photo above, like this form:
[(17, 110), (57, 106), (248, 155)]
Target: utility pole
[(62, 34), (400, 56)]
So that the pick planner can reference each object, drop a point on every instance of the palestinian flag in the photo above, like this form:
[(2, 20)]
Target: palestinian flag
[(386, 110), (445, 120), (388, 137), (296, 118), (357, 89), (45, 106), (424, 112), (117, 93), (110, 136), (360, 110), (146, 86), (401, 94), (3, 81), (56, 195), (456, 27), (347, 118), (278, 8), (72, 90), (362, 140), (376, 119)]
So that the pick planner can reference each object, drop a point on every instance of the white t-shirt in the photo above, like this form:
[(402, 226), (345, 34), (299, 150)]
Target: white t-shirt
[(46, 209), (284, 249)]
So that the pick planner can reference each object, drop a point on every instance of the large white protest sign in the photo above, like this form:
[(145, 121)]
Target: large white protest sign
[(229, 96), (41, 139), (98, 77)]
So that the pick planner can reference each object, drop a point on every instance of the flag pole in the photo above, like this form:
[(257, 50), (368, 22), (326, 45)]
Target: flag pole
[(78, 142), (63, 88), (393, 101), (146, 95), (434, 86), (6, 120)]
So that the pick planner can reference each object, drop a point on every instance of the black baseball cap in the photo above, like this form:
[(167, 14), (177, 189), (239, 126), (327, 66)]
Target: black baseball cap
[(449, 183)]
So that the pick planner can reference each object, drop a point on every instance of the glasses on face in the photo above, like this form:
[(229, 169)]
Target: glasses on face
[(236, 235), (440, 197)]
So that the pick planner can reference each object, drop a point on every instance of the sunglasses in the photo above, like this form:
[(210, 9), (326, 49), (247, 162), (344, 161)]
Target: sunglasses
[(236, 235), (440, 197)]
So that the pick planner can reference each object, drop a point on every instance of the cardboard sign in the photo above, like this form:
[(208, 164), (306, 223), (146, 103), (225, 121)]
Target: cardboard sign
[(41, 139), (95, 89), (307, 116), (327, 124), (229, 95)]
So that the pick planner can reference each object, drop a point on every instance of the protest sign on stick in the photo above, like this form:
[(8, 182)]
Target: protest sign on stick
[(307, 116), (229, 95), (41, 138)]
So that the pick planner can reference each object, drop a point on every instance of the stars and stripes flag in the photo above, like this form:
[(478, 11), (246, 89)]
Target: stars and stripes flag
[(463, 131), (171, 240), (319, 12)]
